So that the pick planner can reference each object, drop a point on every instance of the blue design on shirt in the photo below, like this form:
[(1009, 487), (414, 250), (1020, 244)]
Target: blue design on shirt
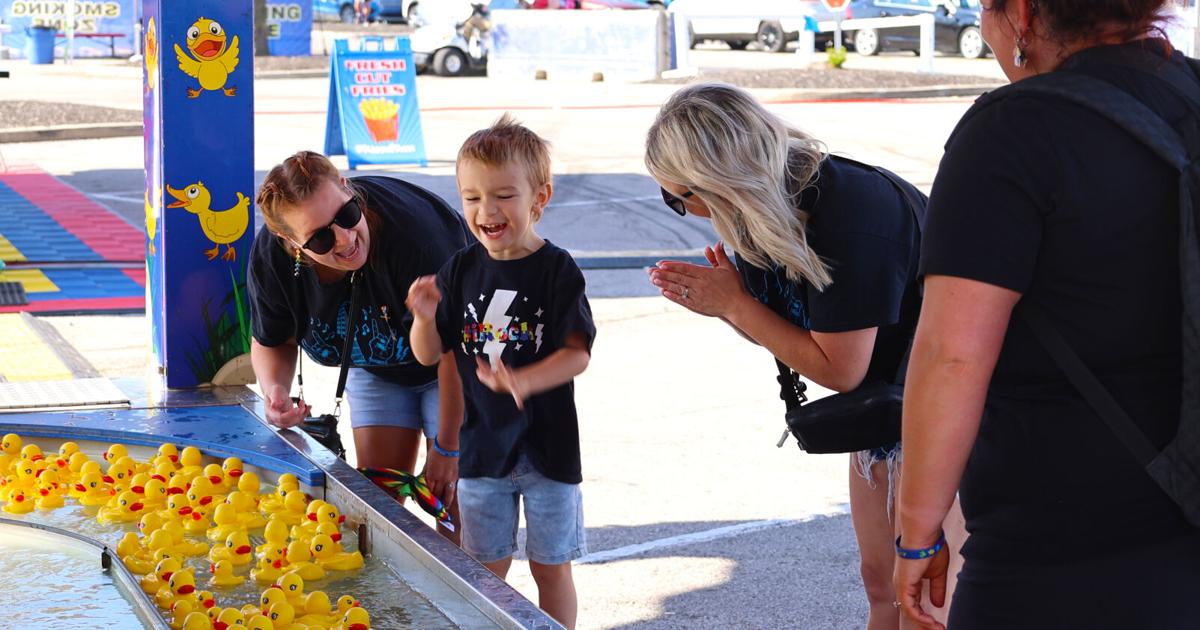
[(780, 294), (376, 342)]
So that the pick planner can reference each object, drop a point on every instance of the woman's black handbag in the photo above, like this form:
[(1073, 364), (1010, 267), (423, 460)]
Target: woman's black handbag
[(323, 428), (859, 420)]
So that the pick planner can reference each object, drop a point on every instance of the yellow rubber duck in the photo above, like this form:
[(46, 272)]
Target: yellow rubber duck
[(346, 602), (223, 575), (75, 464), (32, 452), (127, 510), (222, 227), (292, 586), (238, 544), (246, 513), (354, 619), (229, 618), (115, 452), (270, 565), (18, 503), (6, 464), (293, 512), (168, 450), (330, 530), (250, 485), (201, 495), (91, 490), (273, 503), (11, 444), (275, 533), (269, 597), (150, 522), (216, 475), (225, 522), (154, 494), (163, 469), (208, 59), (179, 612), (120, 474), (259, 622), (233, 468), (191, 461), (196, 621), (180, 543), (300, 562), (177, 486), (182, 585), (308, 527), (329, 555), (207, 601), (317, 610), (283, 617), (155, 580), (135, 557), (49, 490)]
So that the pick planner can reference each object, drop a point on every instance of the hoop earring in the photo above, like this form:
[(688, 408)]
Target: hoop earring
[(1020, 59), (296, 267)]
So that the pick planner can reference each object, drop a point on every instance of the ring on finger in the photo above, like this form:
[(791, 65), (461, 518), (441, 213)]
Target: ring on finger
[(685, 293)]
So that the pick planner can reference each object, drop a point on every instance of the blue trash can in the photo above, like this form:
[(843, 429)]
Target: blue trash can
[(39, 44)]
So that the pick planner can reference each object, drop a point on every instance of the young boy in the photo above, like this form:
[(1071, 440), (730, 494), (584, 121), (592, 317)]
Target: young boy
[(511, 310)]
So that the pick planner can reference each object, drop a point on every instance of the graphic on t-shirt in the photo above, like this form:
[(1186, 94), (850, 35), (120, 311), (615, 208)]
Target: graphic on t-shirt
[(502, 325), (774, 287), (375, 341)]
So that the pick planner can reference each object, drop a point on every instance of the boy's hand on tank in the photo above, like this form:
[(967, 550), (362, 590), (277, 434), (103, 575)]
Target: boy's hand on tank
[(502, 379), (423, 297)]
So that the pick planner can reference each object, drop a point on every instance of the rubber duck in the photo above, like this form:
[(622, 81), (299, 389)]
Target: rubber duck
[(229, 618), (137, 484), (168, 450), (150, 522), (216, 475), (299, 560), (91, 490), (259, 622), (190, 462), (308, 527), (233, 468), (49, 492), (269, 597), (317, 610), (120, 474), (115, 452), (223, 575), (177, 485), (133, 555), (6, 464), (292, 586), (274, 502), (354, 619), (155, 580), (346, 602), (225, 522), (207, 601), (33, 453), (203, 495), (90, 466), (127, 510), (329, 555), (275, 533), (181, 543), (293, 511), (245, 511), (27, 473), (196, 621), (74, 466), (249, 484), (193, 521), (330, 530), (182, 585), (179, 611), (18, 503), (11, 444), (270, 565), (238, 544), (154, 494)]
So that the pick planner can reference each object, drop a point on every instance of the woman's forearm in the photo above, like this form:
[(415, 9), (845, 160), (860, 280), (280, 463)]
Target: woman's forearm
[(274, 366)]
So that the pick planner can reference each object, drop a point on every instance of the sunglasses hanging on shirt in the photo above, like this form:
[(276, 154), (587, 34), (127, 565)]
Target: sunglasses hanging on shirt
[(324, 239)]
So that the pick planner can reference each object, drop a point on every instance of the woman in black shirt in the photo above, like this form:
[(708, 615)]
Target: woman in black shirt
[(1041, 200), (826, 268), (324, 232)]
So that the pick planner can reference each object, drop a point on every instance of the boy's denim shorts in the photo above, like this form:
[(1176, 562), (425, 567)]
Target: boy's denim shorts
[(553, 516), (378, 402)]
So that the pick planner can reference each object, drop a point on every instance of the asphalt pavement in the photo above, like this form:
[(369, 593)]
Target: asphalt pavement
[(695, 518)]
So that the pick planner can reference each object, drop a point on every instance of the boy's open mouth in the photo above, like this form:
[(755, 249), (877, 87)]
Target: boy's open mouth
[(493, 229)]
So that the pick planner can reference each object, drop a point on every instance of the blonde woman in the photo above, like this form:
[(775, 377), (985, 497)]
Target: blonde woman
[(826, 273)]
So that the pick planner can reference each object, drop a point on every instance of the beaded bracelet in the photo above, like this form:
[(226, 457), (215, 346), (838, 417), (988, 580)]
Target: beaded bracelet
[(921, 554), (441, 451)]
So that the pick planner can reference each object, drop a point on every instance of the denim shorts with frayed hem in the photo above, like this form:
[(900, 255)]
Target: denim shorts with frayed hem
[(378, 402), (553, 516)]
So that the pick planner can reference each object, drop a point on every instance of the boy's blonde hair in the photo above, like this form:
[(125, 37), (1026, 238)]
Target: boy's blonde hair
[(508, 140)]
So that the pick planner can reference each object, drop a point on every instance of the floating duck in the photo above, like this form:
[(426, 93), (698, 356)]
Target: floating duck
[(137, 483), (233, 468), (238, 544), (207, 601), (287, 482), (18, 503), (203, 495), (33, 453), (308, 527), (115, 452), (6, 463), (150, 522), (330, 530), (75, 466), (299, 560), (26, 474), (225, 522), (120, 474), (49, 491), (275, 533), (317, 610), (354, 619), (245, 510), (196, 621), (249, 484), (182, 585), (221, 227), (90, 466), (11, 444), (134, 556), (191, 462), (346, 602), (270, 565), (293, 510), (91, 490), (154, 494), (292, 586), (329, 555), (283, 616), (168, 450), (259, 622), (216, 475), (127, 510), (182, 544), (223, 575), (178, 486), (180, 611), (269, 597), (155, 580), (229, 618)]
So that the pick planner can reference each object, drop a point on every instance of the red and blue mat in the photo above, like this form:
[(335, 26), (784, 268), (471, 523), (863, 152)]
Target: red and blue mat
[(70, 253)]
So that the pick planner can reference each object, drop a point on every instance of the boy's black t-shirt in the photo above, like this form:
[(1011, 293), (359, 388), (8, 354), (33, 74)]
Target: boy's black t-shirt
[(862, 227), (519, 312), (1055, 202), (418, 232)]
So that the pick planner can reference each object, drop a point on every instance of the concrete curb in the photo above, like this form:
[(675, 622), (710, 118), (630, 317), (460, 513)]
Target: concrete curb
[(847, 94), (70, 132)]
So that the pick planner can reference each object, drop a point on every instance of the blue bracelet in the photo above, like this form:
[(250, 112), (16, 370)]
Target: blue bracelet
[(441, 451), (921, 554)]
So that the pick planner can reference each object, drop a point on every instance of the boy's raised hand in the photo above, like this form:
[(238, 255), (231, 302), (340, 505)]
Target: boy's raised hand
[(423, 297), (502, 379)]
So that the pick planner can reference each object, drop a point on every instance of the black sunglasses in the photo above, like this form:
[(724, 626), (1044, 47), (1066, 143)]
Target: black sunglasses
[(675, 203), (324, 239)]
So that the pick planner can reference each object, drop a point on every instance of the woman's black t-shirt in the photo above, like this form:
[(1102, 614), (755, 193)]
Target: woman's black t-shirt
[(519, 312), (862, 227), (1050, 200), (418, 232)]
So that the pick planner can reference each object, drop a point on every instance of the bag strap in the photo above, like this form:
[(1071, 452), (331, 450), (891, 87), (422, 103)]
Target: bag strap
[(1100, 400), (352, 320)]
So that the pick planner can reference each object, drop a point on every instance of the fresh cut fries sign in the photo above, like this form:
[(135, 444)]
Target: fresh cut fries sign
[(373, 116)]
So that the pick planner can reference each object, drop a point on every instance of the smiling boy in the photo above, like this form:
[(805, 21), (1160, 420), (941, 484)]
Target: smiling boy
[(513, 311)]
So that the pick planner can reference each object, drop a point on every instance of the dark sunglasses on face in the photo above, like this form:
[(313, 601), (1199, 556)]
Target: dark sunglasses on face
[(324, 239), (675, 203)]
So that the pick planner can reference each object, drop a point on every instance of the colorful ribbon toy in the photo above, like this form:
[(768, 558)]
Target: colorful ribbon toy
[(404, 484)]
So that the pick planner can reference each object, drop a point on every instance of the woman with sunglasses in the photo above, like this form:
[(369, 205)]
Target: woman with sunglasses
[(826, 268), (323, 233)]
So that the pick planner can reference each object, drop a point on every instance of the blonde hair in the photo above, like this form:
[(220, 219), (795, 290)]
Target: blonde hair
[(748, 166), (505, 141)]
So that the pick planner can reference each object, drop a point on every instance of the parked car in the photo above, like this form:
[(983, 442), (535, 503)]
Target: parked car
[(956, 26), (770, 23), (343, 10)]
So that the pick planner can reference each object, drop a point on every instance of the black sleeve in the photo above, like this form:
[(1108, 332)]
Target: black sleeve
[(271, 319), (449, 327), (985, 216), (572, 313), (869, 272)]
